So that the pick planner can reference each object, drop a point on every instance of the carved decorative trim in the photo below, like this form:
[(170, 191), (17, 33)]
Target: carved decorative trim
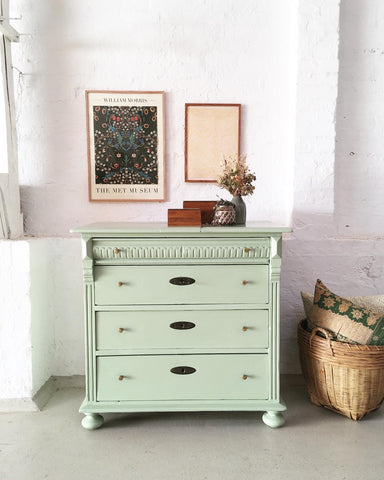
[(177, 252)]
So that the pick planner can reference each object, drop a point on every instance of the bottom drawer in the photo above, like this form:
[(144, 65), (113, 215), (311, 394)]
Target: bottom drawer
[(150, 377)]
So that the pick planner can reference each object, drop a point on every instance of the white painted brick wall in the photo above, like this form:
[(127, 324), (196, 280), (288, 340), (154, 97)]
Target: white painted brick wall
[(359, 174), (15, 320)]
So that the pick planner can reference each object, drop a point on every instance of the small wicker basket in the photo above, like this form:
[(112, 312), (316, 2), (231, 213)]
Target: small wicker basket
[(345, 378)]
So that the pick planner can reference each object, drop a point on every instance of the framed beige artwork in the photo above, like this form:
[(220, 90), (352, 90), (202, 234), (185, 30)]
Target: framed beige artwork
[(126, 146), (212, 131)]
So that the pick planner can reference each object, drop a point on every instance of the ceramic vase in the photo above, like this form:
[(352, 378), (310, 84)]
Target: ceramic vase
[(241, 209)]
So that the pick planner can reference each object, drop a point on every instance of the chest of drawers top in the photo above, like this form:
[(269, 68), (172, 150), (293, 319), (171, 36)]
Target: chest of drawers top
[(105, 229), (117, 243)]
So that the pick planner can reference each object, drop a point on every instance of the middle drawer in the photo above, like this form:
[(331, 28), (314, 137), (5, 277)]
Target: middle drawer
[(190, 329), (181, 284)]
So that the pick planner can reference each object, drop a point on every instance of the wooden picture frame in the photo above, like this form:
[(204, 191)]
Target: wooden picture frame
[(212, 130), (126, 147)]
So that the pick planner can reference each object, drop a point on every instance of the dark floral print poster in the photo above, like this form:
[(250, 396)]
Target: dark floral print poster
[(126, 146)]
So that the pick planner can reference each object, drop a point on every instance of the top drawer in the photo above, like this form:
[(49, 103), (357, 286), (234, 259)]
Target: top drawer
[(121, 250), (181, 284)]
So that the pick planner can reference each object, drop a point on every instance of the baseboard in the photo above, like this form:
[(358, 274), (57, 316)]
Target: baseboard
[(53, 384), (42, 396), (72, 381), (44, 393)]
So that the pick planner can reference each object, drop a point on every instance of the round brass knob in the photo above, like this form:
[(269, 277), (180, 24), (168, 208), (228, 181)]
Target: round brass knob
[(245, 377), (121, 377), (116, 250), (121, 330), (245, 329), (119, 284), (246, 250), (244, 282)]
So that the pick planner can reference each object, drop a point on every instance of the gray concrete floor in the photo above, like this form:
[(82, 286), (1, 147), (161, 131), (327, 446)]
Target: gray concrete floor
[(314, 444)]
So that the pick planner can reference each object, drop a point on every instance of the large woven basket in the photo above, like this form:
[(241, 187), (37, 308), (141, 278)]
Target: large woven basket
[(346, 378)]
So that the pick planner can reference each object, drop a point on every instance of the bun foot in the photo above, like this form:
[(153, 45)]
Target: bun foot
[(273, 419), (91, 421)]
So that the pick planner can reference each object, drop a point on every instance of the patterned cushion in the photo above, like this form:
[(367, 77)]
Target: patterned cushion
[(347, 321), (371, 302)]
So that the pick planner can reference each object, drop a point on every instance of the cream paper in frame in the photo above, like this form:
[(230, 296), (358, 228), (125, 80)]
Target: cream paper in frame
[(212, 132)]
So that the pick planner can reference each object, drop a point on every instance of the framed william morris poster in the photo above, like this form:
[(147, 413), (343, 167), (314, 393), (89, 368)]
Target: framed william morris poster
[(126, 146)]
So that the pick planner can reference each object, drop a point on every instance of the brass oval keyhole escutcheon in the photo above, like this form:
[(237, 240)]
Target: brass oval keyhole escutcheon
[(182, 325), (183, 370), (182, 281)]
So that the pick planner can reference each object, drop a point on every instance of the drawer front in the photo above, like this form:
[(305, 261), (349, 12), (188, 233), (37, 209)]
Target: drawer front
[(137, 250), (147, 377), (181, 329), (203, 284)]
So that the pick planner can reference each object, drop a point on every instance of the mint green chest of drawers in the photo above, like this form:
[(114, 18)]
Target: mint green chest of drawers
[(181, 319)]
